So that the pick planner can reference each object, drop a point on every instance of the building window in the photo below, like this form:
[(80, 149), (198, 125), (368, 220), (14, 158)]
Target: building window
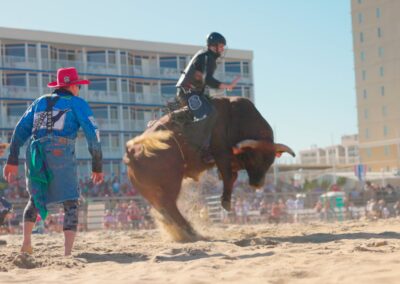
[(137, 114), (382, 91), (44, 50), (364, 75), (15, 80), (138, 60), (113, 112), (168, 62), (100, 112), (105, 139), (16, 109), (380, 51), (361, 37), (362, 56), (135, 87), (112, 83), (246, 69), (168, 90), (96, 57), (33, 80), (247, 92), (112, 59), (379, 32), (232, 67), (17, 50), (381, 71), (32, 50), (98, 85), (182, 62), (124, 86), (114, 140), (385, 130), (365, 94), (123, 58), (378, 12), (64, 54), (360, 18), (237, 92)]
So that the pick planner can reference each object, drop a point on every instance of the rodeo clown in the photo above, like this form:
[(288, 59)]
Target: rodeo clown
[(52, 123), (191, 85)]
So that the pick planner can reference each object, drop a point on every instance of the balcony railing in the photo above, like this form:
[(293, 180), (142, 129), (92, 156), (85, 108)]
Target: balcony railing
[(101, 68), (10, 121), (169, 73), (48, 64), (143, 98), (19, 62), (108, 124), (229, 76), (134, 125), (19, 92), (101, 96), (106, 68)]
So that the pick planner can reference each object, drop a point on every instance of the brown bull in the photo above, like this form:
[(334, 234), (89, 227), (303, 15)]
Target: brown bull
[(160, 158)]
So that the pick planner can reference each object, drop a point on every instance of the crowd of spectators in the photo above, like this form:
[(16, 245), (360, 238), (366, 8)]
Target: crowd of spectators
[(125, 209)]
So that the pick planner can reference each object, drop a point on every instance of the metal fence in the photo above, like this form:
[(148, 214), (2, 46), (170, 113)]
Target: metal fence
[(94, 214), (99, 213)]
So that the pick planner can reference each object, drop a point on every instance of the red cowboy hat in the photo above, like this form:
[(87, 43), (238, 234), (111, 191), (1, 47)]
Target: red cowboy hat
[(67, 77)]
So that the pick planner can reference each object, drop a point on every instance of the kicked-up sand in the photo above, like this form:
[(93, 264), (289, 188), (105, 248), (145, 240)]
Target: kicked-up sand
[(348, 252)]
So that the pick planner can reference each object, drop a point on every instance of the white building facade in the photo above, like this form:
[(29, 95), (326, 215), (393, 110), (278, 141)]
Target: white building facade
[(130, 82), (346, 153)]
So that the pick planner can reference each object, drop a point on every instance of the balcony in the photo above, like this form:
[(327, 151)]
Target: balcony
[(101, 96), (169, 73), (55, 64), (148, 98), (229, 76), (143, 98), (19, 62), (108, 124), (135, 125), (19, 92), (101, 68), (10, 121)]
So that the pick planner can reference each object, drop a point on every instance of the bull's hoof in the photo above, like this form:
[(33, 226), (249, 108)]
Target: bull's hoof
[(226, 204)]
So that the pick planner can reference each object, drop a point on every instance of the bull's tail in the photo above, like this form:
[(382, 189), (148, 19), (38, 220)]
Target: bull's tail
[(151, 141)]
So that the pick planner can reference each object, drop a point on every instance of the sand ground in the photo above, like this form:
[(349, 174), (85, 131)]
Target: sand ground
[(348, 252)]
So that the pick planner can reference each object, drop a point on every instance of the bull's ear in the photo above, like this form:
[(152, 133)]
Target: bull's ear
[(281, 148)]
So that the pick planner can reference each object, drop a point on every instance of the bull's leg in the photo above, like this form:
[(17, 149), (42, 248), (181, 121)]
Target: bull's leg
[(176, 224), (164, 199), (224, 164)]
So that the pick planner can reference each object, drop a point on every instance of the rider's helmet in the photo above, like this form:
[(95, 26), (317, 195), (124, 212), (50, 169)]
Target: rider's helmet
[(215, 38)]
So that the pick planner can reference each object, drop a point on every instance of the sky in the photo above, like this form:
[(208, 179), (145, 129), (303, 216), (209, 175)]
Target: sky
[(303, 66)]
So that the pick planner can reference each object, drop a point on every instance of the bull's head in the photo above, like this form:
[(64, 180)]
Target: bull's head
[(257, 156)]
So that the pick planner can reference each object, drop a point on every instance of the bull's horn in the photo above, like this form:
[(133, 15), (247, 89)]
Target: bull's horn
[(281, 148), (254, 144)]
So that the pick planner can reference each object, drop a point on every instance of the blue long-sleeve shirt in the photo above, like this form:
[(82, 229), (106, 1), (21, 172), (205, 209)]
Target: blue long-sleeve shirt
[(69, 114)]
